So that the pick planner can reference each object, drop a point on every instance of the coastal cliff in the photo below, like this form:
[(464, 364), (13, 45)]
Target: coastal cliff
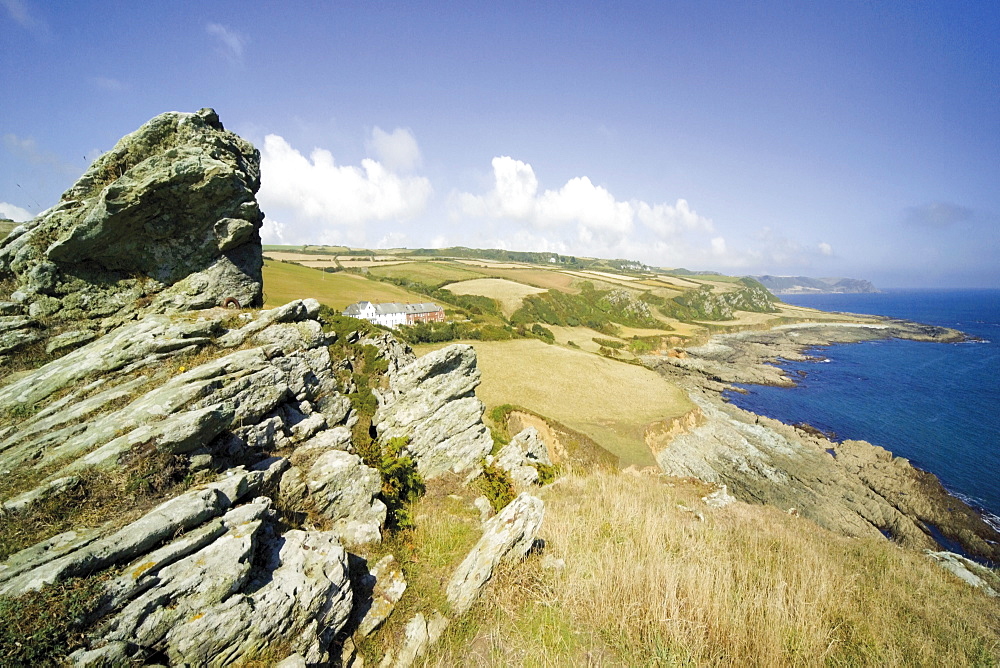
[(189, 479), (852, 487)]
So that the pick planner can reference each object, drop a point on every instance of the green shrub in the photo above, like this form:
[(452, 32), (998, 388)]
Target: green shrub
[(547, 473), (496, 485), (402, 483)]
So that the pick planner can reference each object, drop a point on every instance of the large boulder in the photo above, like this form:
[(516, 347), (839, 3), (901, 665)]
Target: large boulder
[(166, 220), (432, 402), (509, 535)]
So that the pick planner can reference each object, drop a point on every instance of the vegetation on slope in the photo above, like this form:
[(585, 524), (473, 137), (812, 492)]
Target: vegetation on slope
[(652, 576)]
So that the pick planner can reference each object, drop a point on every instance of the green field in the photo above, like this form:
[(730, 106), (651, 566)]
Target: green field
[(285, 282)]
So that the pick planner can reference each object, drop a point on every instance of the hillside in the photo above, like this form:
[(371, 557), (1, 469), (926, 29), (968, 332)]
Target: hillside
[(195, 477), (793, 285)]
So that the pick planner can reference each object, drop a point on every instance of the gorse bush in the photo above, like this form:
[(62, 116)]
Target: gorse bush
[(496, 485)]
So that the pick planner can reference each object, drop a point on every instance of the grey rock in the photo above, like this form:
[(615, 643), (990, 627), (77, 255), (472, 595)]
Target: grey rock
[(69, 340), (966, 570), (43, 491), (508, 535), (432, 402), (13, 339), (720, 498), (519, 456), (378, 593), (343, 489), (136, 343), (183, 512), (397, 354), (484, 507), (166, 220), (418, 636), (293, 661)]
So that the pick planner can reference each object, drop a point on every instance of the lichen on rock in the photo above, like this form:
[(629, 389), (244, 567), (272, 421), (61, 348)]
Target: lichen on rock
[(167, 220)]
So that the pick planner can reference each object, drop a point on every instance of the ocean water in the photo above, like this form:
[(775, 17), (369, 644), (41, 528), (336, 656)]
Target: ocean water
[(936, 404)]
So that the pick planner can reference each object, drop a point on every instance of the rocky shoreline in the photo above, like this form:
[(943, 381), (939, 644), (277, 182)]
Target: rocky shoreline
[(852, 487)]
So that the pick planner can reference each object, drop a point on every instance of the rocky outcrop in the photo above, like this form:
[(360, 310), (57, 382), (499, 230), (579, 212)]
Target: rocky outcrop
[(508, 535), (165, 221), (853, 487), (216, 445), (432, 403), (522, 456), (748, 356), (973, 574)]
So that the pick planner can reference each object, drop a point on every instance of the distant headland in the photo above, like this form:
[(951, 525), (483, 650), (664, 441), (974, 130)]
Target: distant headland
[(797, 285)]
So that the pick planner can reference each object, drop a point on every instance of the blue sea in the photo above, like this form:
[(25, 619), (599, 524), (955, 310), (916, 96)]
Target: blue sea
[(936, 404)]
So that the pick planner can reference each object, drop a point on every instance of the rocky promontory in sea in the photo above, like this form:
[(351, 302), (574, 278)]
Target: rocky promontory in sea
[(852, 487), (804, 285), (198, 478)]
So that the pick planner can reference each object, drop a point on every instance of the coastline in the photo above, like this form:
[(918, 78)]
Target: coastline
[(852, 486)]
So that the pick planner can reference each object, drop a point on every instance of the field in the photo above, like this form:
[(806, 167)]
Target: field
[(609, 401), (285, 282), (428, 273), (540, 278), (508, 293)]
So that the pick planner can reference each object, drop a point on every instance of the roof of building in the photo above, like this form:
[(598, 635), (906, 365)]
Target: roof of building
[(390, 308)]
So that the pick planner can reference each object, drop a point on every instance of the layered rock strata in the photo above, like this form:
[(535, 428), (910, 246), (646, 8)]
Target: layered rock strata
[(242, 552), (852, 487)]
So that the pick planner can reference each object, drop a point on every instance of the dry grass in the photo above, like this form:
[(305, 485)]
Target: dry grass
[(609, 401), (510, 294), (428, 273), (647, 583), (548, 279), (285, 282)]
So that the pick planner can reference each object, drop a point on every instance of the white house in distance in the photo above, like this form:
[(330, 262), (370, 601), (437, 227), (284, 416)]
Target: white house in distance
[(394, 314)]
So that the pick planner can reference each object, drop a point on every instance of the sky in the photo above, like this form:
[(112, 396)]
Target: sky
[(851, 138)]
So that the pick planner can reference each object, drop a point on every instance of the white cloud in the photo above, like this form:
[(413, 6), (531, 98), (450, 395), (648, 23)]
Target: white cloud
[(306, 191), (598, 215), (19, 11), (718, 246), (825, 249), (392, 240), (231, 43), (272, 232), (667, 220), (397, 150), (14, 213)]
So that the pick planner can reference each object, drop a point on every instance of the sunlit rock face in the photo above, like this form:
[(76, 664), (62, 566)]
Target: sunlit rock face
[(167, 220)]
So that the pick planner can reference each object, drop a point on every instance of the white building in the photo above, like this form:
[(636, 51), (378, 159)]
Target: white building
[(394, 314)]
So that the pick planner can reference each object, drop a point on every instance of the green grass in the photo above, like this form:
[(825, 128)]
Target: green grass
[(5, 227), (285, 282), (647, 582)]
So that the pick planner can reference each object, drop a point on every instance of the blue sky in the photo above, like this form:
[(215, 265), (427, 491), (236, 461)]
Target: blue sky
[(846, 138)]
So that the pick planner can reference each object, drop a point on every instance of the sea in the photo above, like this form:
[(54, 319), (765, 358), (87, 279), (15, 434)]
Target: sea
[(937, 404)]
